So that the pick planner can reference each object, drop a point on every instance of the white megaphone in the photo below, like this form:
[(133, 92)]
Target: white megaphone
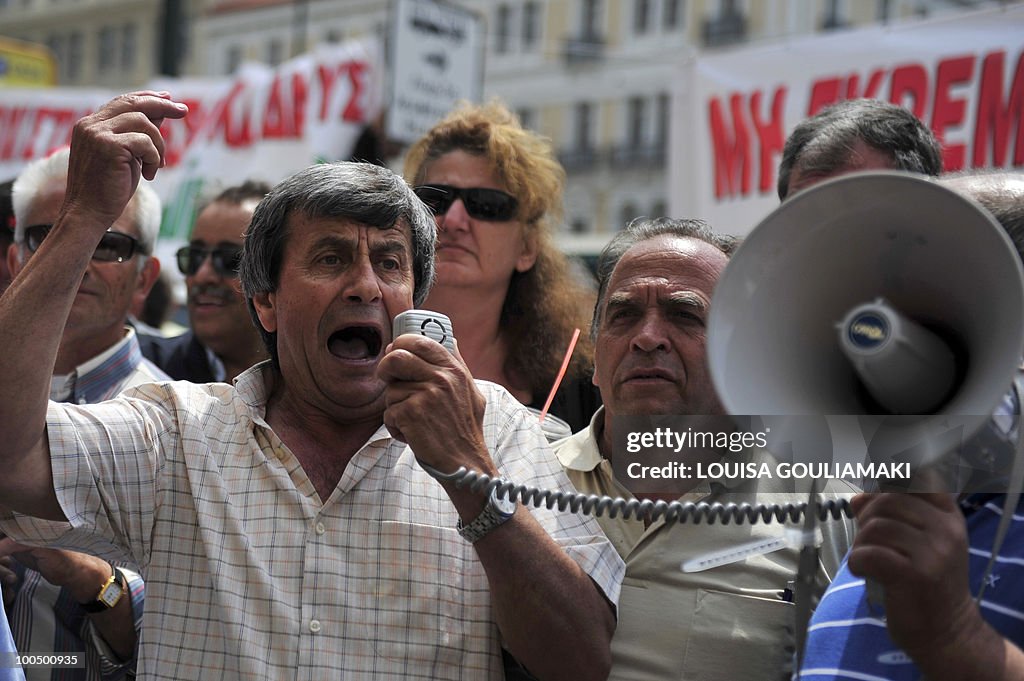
[(874, 293)]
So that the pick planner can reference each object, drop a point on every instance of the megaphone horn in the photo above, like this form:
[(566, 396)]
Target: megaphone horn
[(926, 290)]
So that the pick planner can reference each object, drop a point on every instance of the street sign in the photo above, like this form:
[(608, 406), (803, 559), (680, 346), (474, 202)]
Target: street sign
[(437, 59)]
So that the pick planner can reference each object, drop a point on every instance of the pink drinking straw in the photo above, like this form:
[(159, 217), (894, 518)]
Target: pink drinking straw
[(561, 374)]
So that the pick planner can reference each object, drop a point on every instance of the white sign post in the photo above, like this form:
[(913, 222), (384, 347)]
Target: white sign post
[(437, 58)]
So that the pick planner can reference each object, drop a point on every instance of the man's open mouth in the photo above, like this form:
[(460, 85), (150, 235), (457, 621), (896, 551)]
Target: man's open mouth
[(355, 342)]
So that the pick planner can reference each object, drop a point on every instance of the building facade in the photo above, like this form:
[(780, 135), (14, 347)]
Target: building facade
[(593, 75)]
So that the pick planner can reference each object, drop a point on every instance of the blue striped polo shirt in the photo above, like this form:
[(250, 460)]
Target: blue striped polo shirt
[(847, 638)]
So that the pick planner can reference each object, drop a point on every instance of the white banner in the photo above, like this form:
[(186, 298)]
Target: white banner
[(963, 76), (262, 123)]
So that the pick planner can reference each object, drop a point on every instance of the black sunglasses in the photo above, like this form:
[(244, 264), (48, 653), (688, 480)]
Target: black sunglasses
[(490, 205), (113, 246), (226, 259)]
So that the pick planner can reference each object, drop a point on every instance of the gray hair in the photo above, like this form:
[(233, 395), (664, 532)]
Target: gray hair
[(145, 203), (235, 195), (822, 143), (643, 229), (362, 192)]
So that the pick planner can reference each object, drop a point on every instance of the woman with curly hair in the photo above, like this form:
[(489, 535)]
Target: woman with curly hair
[(496, 192)]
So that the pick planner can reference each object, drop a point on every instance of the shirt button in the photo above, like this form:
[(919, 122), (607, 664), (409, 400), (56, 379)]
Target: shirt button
[(314, 626), (320, 529)]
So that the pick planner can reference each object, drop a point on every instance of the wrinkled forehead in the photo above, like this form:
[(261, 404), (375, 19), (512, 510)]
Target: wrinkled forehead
[(305, 228), (669, 262), (223, 222)]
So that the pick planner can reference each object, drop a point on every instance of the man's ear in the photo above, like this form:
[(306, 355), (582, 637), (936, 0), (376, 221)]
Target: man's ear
[(144, 283), (13, 261), (266, 311), (149, 274)]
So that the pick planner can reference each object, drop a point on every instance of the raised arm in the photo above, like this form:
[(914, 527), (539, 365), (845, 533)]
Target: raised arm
[(110, 151)]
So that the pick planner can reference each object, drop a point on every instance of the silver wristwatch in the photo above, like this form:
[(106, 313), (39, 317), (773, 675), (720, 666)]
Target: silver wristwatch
[(496, 512)]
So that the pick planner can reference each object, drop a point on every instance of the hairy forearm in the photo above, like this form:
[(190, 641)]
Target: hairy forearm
[(33, 312), (110, 151), (544, 601), (980, 653)]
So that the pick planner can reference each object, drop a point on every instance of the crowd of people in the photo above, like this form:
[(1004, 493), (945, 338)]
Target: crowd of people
[(256, 497)]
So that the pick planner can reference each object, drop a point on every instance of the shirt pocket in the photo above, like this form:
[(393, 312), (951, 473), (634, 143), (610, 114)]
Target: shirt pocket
[(739, 637), (428, 599)]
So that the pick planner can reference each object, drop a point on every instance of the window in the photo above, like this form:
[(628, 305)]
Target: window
[(629, 211), (75, 55), (526, 118), (275, 52), (835, 14), (584, 121), (234, 58), (672, 13), (884, 11), (637, 114), (501, 33), (107, 48), (128, 46), (57, 45), (664, 119), (590, 19), (641, 16), (384, 35), (531, 24)]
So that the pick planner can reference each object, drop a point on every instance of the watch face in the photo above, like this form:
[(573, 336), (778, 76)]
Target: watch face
[(502, 505), (111, 595)]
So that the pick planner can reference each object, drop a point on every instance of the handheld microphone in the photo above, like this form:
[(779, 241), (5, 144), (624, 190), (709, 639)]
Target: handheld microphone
[(427, 323)]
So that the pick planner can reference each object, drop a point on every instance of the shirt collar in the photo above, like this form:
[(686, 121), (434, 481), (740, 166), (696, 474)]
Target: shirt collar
[(580, 452), (94, 378), (254, 386), (216, 365)]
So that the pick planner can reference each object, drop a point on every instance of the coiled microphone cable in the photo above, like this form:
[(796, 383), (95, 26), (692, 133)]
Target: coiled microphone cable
[(670, 512)]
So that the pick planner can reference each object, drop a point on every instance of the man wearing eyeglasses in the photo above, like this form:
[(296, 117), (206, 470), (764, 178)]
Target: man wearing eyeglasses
[(68, 602), (223, 341), (6, 233)]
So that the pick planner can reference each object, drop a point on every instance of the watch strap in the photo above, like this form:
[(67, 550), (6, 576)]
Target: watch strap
[(489, 518), (98, 605)]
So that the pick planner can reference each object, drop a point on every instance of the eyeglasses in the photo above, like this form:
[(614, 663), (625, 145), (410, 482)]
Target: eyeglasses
[(226, 259), (113, 246), (490, 205)]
